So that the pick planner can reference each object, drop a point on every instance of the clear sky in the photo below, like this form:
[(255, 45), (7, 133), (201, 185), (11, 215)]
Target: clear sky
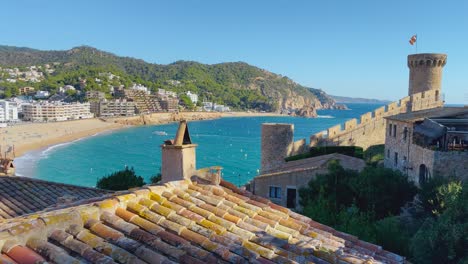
[(349, 48)]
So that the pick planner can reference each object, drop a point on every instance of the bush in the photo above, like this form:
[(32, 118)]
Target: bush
[(392, 236), (120, 180), (374, 154), (443, 239), (437, 192), (382, 191)]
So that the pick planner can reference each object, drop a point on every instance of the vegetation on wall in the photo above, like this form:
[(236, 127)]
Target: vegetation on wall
[(427, 225)]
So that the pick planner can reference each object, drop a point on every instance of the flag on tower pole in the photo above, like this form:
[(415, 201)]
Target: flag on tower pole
[(413, 39)]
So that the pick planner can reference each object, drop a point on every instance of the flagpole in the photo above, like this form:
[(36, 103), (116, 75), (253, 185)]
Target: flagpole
[(417, 43)]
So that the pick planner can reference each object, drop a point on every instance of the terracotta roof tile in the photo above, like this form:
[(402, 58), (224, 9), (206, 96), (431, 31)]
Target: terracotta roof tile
[(21, 195), (188, 222)]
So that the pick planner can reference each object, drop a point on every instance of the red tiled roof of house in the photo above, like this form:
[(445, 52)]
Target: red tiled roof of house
[(22, 195), (186, 222)]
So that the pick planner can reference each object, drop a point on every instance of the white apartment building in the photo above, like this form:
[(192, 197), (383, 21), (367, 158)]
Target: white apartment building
[(117, 107), (56, 111), (42, 94), (162, 93), (140, 87), (8, 111), (193, 97)]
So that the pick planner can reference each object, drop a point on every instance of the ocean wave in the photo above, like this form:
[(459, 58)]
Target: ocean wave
[(325, 116)]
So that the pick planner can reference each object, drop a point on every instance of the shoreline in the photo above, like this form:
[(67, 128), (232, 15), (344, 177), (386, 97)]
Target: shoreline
[(31, 137)]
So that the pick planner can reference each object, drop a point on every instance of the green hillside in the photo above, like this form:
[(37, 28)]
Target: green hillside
[(236, 84)]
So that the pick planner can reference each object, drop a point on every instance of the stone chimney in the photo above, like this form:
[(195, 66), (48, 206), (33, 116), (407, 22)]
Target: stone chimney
[(178, 156)]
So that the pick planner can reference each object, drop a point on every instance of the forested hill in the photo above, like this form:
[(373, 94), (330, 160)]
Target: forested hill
[(236, 84)]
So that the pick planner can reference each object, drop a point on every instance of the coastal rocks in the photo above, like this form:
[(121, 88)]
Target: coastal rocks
[(307, 112)]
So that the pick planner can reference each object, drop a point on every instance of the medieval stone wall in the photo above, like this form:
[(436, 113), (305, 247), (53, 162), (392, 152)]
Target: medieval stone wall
[(369, 129)]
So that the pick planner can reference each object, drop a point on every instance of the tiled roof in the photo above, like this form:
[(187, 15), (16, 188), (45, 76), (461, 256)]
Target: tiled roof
[(22, 195), (315, 163), (182, 221)]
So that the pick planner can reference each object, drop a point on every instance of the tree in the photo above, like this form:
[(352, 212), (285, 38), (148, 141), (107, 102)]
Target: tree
[(437, 193), (443, 239), (382, 191), (120, 180)]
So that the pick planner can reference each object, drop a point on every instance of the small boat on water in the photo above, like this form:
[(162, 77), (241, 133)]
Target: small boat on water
[(160, 133)]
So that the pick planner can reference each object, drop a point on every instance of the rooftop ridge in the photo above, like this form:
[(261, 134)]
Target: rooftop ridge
[(23, 178), (183, 221)]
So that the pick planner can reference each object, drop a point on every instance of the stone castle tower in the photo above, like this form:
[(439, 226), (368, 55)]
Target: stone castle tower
[(425, 72), (277, 143)]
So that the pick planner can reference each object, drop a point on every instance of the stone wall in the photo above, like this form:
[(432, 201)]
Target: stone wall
[(297, 174), (451, 163), (277, 144), (412, 156), (369, 130)]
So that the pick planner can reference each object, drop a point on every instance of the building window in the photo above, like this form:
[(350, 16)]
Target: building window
[(394, 130), (405, 133), (390, 129), (388, 153), (396, 159), (291, 194), (423, 174), (275, 192)]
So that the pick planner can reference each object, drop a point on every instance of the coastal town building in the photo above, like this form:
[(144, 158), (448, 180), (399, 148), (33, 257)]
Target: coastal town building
[(162, 93), (8, 111), (193, 97), (55, 111), (144, 102), (66, 88), (169, 104), (221, 108), (280, 180), (42, 94), (192, 217), (140, 87), (116, 107), (27, 90), (95, 95), (428, 143)]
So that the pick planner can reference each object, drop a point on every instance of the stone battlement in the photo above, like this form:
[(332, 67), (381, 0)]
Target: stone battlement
[(369, 129), (427, 60)]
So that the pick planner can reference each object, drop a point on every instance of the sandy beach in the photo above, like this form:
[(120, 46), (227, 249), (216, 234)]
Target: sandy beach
[(33, 136)]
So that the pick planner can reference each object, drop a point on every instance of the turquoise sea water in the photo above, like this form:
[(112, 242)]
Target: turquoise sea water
[(233, 143)]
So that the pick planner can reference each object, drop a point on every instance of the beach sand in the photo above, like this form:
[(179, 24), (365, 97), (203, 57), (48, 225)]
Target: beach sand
[(33, 136)]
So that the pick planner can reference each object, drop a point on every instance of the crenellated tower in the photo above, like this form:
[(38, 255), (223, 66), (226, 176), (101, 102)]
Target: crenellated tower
[(425, 72)]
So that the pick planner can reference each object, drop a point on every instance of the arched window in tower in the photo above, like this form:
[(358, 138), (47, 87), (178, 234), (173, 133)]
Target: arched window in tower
[(423, 174), (437, 95)]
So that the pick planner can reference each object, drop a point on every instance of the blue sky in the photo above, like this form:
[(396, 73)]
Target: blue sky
[(349, 48)]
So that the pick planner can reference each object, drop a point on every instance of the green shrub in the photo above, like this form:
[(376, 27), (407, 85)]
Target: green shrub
[(120, 180)]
